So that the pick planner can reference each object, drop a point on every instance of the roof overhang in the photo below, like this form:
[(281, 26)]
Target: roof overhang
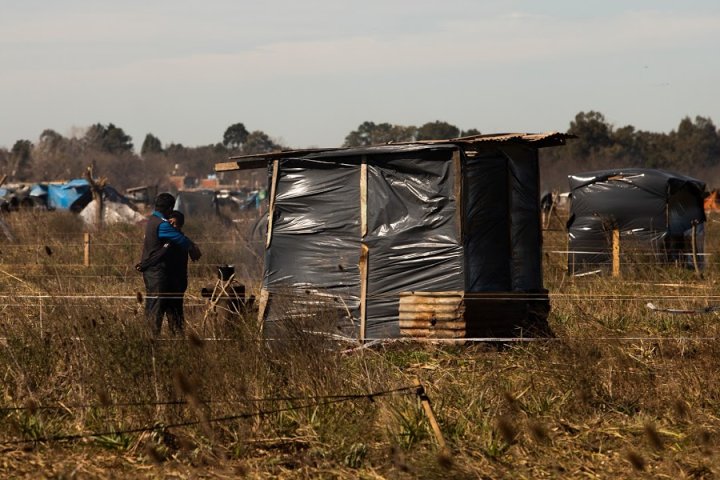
[(475, 142)]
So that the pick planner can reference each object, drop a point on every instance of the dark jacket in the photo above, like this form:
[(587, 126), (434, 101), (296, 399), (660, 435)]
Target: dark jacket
[(176, 262), (160, 237)]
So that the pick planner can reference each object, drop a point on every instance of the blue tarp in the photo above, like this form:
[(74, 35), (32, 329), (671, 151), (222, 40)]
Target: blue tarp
[(63, 196)]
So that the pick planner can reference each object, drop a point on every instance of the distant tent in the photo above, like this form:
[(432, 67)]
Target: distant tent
[(13, 197), (655, 212), (63, 196), (39, 194), (113, 212)]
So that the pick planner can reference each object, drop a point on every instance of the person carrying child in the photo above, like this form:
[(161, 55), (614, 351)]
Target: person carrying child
[(164, 266)]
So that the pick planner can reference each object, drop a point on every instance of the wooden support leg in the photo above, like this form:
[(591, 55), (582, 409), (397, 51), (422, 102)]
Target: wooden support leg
[(425, 402)]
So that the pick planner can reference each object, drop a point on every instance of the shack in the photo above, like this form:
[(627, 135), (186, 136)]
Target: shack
[(653, 214), (197, 203), (437, 239)]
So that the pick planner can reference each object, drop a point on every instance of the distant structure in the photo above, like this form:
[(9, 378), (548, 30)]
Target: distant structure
[(655, 214), (438, 239)]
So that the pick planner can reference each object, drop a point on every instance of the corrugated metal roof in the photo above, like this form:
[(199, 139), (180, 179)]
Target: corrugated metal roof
[(538, 140)]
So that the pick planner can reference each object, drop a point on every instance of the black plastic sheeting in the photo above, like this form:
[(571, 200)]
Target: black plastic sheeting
[(413, 239), (502, 223), (411, 236), (314, 253), (653, 209)]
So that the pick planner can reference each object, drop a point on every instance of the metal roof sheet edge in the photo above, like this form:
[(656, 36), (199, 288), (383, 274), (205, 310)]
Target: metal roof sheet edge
[(259, 160)]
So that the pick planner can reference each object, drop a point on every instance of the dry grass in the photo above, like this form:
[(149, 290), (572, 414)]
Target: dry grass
[(593, 403)]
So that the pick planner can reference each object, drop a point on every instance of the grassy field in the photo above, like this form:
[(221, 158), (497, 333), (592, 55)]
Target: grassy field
[(622, 392)]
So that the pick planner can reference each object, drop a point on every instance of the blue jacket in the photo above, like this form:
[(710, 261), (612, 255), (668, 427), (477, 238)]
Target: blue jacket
[(169, 233)]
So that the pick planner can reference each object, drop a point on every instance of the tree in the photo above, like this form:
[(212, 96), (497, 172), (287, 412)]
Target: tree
[(235, 136), (470, 132), (259, 142), (593, 133), (50, 140), (21, 159), (151, 144), (110, 139), (116, 140), (437, 130), (369, 133), (4, 159), (697, 142)]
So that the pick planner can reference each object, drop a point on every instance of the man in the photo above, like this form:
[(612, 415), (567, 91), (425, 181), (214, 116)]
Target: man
[(156, 267)]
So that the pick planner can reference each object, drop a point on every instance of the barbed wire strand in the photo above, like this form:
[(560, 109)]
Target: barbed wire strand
[(204, 402), (260, 413)]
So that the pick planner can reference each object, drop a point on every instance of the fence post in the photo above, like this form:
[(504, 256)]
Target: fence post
[(616, 253), (425, 402), (86, 245), (694, 247)]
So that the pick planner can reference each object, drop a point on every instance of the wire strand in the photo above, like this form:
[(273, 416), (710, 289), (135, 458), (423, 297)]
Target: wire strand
[(260, 413)]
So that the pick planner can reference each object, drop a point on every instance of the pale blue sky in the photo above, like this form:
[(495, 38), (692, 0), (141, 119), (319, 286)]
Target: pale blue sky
[(308, 72)]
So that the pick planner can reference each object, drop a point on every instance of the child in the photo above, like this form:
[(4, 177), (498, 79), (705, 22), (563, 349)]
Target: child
[(176, 259)]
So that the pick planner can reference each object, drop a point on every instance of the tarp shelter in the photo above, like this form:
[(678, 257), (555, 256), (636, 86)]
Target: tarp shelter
[(16, 196), (113, 211), (654, 211), (63, 196), (431, 239)]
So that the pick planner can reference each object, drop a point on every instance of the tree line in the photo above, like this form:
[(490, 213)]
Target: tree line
[(112, 152), (692, 149)]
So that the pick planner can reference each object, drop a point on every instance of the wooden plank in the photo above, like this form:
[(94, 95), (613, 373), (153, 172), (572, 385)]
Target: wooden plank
[(459, 200), (364, 257), (363, 197), (86, 249), (273, 193), (425, 402), (262, 307), (242, 165), (694, 247)]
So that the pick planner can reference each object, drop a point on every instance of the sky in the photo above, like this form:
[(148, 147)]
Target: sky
[(309, 72)]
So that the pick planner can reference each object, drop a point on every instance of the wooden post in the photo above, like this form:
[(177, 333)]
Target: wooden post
[(694, 247), (364, 251), (570, 265), (425, 402), (262, 309), (616, 252), (458, 194), (86, 245), (364, 256), (363, 197), (271, 207), (96, 188)]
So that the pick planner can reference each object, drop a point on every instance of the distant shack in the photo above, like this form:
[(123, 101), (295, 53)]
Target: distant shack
[(656, 215), (434, 239)]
